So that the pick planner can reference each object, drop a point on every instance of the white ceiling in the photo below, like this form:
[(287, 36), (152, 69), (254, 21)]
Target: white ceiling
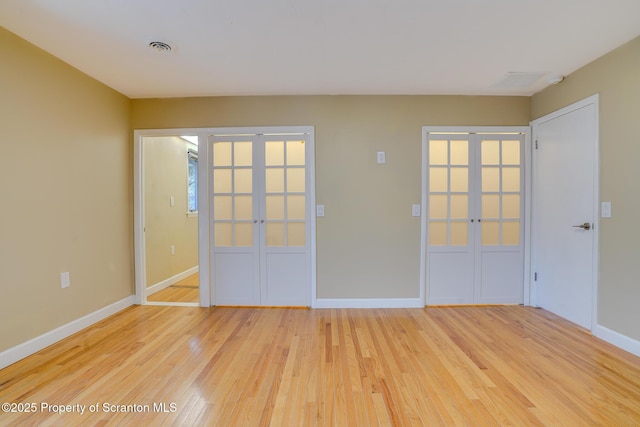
[(290, 47)]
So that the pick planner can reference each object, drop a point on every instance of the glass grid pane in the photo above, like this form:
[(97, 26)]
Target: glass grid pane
[(274, 153), (243, 180), (490, 233), (295, 180), (438, 181), (460, 180), (222, 233), (222, 180), (438, 152), (438, 234), (438, 206), (275, 234), (242, 153), (296, 234), (459, 152), (459, 234), (244, 234), (459, 206), (274, 180), (490, 152), (295, 207), (510, 233), (221, 154), (295, 153), (511, 152), (511, 180)]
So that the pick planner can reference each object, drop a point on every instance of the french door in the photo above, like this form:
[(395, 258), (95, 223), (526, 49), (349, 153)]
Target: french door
[(261, 208), (475, 228)]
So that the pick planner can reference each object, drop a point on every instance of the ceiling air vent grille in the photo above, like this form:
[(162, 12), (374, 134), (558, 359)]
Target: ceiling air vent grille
[(519, 80), (161, 47)]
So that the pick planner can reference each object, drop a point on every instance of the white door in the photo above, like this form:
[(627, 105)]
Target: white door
[(475, 228), (261, 213), (565, 212)]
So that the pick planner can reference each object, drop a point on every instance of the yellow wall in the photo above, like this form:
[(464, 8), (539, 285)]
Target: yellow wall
[(165, 166), (616, 77), (368, 244), (65, 191)]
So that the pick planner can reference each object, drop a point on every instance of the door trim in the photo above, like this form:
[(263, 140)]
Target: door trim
[(526, 130), (593, 100), (207, 298), (205, 229), (140, 264)]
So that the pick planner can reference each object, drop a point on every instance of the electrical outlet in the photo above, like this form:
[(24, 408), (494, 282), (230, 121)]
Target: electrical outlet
[(172, 249), (65, 280), (381, 157)]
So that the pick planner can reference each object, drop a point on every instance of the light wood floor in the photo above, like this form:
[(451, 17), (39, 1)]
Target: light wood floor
[(459, 366), (186, 290)]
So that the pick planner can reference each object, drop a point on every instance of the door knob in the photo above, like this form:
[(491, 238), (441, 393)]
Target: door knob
[(585, 226)]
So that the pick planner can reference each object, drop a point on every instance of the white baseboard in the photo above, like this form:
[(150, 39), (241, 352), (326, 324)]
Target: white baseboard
[(370, 303), (36, 344), (171, 281), (617, 339)]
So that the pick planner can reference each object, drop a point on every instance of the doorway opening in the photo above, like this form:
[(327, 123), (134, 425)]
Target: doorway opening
[(167, 265)]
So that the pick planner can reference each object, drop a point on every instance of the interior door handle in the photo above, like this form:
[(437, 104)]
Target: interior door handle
[(585, 226)]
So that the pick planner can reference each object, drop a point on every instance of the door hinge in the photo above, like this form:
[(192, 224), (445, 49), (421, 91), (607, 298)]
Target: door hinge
[(535, 277), (536, 144)]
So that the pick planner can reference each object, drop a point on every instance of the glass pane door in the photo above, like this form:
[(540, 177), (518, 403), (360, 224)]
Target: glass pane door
[(449, 202), (500, 261), (500, 159), (285, 197), (451, 250), (234, 214), (233, 198)]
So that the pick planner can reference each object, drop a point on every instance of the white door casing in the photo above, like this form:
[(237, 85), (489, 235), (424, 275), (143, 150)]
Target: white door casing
[(262, 218), (564, 254), (474, 212)]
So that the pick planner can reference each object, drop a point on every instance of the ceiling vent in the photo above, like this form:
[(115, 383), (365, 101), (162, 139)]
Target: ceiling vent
[(519, 80), (161, 47)]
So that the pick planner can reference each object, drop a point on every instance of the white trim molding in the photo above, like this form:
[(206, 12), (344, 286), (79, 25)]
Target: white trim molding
[(622, 341), (36, 344), (171, 281), (370, 303), (526, 215)]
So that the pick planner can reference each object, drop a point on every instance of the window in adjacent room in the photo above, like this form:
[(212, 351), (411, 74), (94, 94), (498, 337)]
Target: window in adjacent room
[(192, 181)]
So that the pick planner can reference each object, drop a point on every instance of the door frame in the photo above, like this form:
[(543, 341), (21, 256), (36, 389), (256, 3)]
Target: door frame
[(207, 296), (140, 260), (424, 233), (595, 101)]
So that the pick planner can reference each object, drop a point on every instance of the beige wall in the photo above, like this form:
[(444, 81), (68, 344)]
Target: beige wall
[(616, 77), (368, 244), (165, 167), (65, 191)]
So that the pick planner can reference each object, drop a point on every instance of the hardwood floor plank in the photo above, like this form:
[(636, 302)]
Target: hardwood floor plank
[(502, 365), (185, 290)]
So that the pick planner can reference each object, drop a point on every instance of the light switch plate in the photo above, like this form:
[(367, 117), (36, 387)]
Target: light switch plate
[(381, 157), (415, 210), (320, 210), (65, 280), (605, 210)]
